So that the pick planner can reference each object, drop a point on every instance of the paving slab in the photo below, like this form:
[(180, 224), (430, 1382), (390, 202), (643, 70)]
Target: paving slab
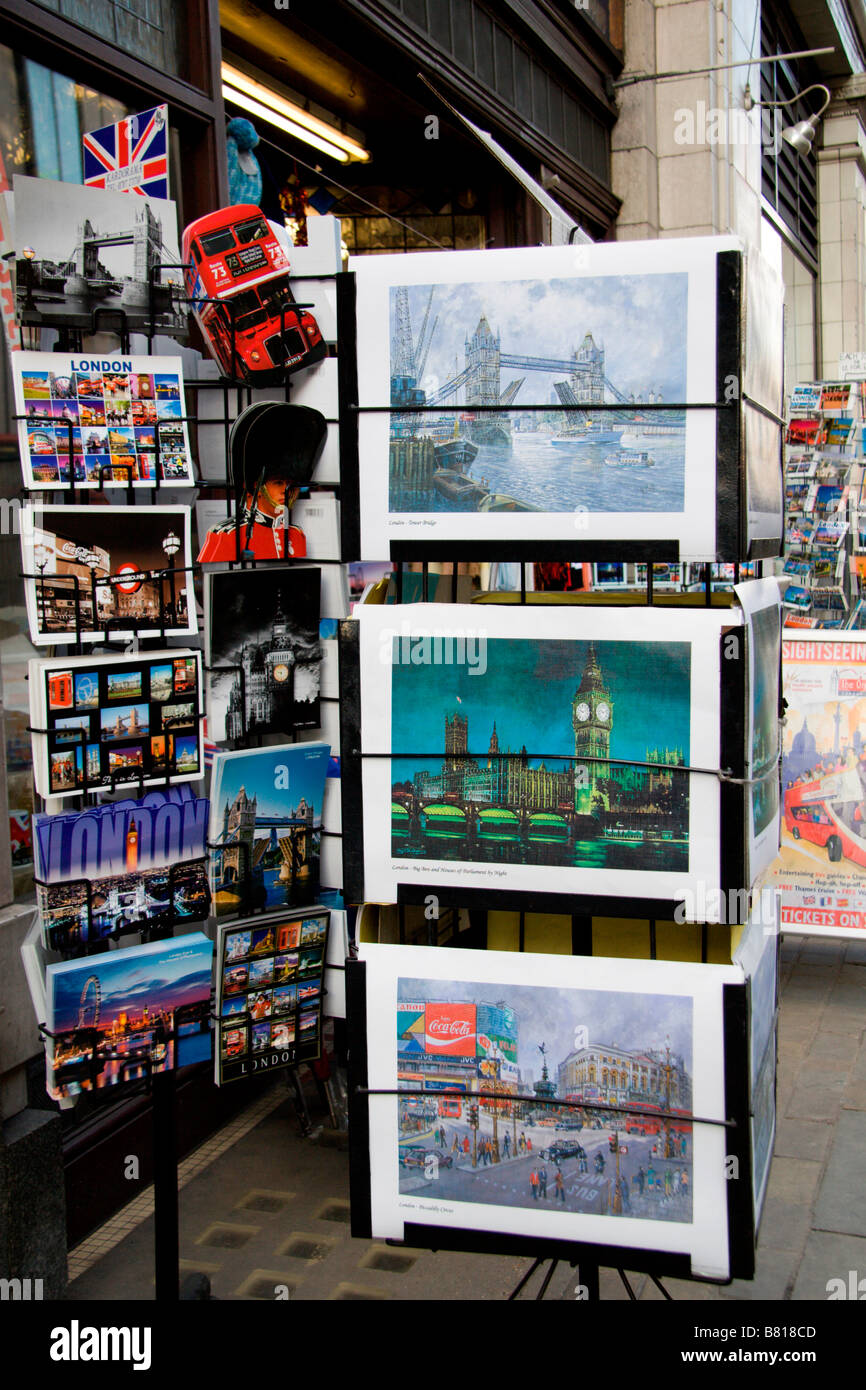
[(802, 1139), (841, 1204), (829, 1257)]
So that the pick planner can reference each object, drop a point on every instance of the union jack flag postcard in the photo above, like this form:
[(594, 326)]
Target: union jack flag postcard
[(130, 156)]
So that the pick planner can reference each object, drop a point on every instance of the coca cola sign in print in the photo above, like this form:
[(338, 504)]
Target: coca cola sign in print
[(449, 1030)]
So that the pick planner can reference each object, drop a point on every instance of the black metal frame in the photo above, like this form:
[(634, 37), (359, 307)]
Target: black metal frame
[(586, 1255)]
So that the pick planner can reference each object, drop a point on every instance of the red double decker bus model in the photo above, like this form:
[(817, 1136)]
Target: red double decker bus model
[(237, 277)]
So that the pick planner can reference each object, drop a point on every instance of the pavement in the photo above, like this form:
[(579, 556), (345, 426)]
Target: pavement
[(264, 1212)]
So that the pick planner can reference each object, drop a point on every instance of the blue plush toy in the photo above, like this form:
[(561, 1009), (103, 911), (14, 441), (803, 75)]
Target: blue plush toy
[(245, 176)]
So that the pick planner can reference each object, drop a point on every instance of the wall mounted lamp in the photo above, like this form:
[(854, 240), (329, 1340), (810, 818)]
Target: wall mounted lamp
[(801, 135)]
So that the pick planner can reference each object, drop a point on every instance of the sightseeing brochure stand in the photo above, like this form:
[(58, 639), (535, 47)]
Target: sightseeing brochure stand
[(568, 754), (131, 722)]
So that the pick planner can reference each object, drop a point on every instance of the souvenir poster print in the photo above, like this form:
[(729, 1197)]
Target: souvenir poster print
[(823, 853), (92, 421), (95, 250), (124, 867), (528, 757), (263, 651), (760, 602), (115, 1017), (270, 974), (619, 327), (592, 1033), (102, 723), (266, 826), (94, 572)]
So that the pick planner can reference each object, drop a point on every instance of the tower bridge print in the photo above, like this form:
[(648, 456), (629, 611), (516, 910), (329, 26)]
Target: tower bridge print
[(579, 344), (585, 764)]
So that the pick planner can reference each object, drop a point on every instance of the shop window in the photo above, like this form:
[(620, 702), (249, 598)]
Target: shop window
[(800, 287), (466, 33), (369, 235), (43, 118), (789, 181), (150, 30)]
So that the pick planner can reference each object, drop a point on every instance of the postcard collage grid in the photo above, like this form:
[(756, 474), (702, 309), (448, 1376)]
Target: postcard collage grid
[(554, 755), (99, 424), (269, 993)]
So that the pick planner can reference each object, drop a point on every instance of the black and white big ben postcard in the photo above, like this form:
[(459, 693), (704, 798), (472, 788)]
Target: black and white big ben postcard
[(263, 653)]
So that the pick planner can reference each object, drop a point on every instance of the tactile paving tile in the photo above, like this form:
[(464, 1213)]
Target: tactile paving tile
[(303, 1246), (345, 1292), (393, 1261), (268, 1285), (227, 1237), (335, 1209), (264, 1199)]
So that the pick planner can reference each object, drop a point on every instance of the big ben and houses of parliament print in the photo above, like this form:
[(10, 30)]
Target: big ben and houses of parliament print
[(556, 785), (539, 749)]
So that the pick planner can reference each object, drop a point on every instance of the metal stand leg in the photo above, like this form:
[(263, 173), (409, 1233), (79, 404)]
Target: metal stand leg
[(300, 1100), (588, 1276), (165, 1221)]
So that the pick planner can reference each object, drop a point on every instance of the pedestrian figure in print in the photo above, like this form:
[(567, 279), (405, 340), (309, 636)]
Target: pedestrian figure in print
[(682, 1146), (641, 1179), (507, 1146), (668, 1182), (676, 1181), (522, 1142), (651, 1177), (542, 1178), (684, 1180), (533, 1184), (466, 1146), (559, 1187), (599, 1163)]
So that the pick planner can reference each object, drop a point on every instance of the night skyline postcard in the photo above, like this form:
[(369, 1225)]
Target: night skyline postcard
[(537, 740), (115, 1015)]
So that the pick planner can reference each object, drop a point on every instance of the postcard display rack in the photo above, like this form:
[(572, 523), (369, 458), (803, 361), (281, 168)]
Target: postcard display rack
[(491, 732), (115, 422), (825, 511)]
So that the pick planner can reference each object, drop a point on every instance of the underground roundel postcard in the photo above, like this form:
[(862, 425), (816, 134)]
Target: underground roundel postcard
[(467, 1053)]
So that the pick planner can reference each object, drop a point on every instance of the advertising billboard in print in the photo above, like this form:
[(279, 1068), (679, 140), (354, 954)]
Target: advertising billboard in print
[(823, 854), (449, 1030)]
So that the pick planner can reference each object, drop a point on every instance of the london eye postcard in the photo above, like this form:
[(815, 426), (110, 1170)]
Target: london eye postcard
[(536, 749), (541, 393), (548, 1096), (116, 1017)]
